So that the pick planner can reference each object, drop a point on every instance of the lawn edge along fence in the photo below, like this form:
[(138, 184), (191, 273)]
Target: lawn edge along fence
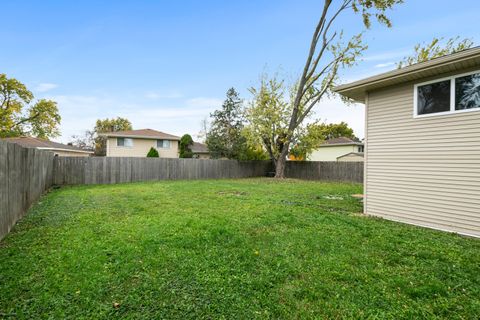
[(26, 173)]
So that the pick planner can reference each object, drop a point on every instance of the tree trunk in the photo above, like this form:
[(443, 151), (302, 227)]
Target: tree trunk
[(281, 162)]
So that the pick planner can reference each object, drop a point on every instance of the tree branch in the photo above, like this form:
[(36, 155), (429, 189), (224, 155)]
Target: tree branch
[(312, 104), (25, 120), (313, 46)]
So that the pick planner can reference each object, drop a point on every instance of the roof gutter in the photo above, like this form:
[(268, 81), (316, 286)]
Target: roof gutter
[(409, 70), (61, 149), (139, 137)]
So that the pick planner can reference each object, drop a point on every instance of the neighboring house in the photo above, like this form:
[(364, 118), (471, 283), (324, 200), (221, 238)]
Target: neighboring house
[(352, 156), (137, 143), (423, 142), (59, 149), (200, 151), (331, 149)]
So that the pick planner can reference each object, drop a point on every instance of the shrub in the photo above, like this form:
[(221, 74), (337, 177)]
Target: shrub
[(185, 146), (153, 153)]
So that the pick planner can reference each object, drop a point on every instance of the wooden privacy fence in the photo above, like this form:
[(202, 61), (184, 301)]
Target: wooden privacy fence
[(76, 170), (25, 174), (329, 171)]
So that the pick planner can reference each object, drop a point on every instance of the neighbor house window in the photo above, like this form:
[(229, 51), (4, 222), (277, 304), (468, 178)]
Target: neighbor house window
[(361, 148), (453, 94), (164, 144), (124, 142)]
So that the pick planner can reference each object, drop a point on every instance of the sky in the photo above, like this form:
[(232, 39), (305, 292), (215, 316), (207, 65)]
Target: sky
[(166, 65)]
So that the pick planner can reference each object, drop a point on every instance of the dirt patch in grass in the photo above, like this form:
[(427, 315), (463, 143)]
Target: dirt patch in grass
[(232, 193)]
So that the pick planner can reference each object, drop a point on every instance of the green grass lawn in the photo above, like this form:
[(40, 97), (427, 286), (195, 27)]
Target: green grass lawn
[(233, 249)]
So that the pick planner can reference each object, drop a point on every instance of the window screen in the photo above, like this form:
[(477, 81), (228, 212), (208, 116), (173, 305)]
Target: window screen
[(124, 142), (165, 144)]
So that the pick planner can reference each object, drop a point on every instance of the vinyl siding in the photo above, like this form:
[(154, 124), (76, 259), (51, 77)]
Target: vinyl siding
[(423, 171), (140, 148), (331, 153)]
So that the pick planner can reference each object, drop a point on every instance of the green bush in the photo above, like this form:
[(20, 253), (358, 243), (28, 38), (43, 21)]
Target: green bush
[(186, 143), (153, 153)]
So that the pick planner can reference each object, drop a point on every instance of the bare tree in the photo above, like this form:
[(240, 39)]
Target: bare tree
[(326, 55)]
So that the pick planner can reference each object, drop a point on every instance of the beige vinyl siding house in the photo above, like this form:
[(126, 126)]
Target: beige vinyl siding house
[(140, 148), (137, 143), (423, 169), (332, 149)]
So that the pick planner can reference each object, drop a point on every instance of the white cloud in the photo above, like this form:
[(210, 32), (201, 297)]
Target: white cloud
[(153, 95), (384, 65), (202, 102), (335, 111), (79, 113), (44, 87), (388, 55)]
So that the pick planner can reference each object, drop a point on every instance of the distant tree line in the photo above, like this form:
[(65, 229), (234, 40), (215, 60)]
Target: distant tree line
[(256, 131)]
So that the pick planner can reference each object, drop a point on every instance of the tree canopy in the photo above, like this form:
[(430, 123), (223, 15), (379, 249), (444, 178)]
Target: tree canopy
[(224, 138), (435, 49), (268, 116), (19, 117)]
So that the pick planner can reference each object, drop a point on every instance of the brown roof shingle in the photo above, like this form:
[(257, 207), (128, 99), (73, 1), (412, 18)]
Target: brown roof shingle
[(141, 133), (341, 141), (199, 148)]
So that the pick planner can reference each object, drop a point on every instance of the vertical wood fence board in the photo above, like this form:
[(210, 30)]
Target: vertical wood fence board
[(24, 175)]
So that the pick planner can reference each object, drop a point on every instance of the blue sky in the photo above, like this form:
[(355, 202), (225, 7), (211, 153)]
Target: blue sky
[(167, 64)]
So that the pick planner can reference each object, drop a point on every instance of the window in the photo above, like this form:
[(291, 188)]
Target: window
[(434, 97), (361, 149), (164, 144), (450, 95), (124, 142), (467, 92)]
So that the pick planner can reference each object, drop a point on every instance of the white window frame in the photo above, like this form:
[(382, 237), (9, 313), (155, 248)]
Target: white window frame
[(162, 147), (452, 97), (124, 145)]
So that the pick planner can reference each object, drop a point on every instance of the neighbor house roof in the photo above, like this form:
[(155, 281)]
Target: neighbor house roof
[(358, 154), (31, 142), (198, 147), (341, 141), (141, 133), (450, 63)]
